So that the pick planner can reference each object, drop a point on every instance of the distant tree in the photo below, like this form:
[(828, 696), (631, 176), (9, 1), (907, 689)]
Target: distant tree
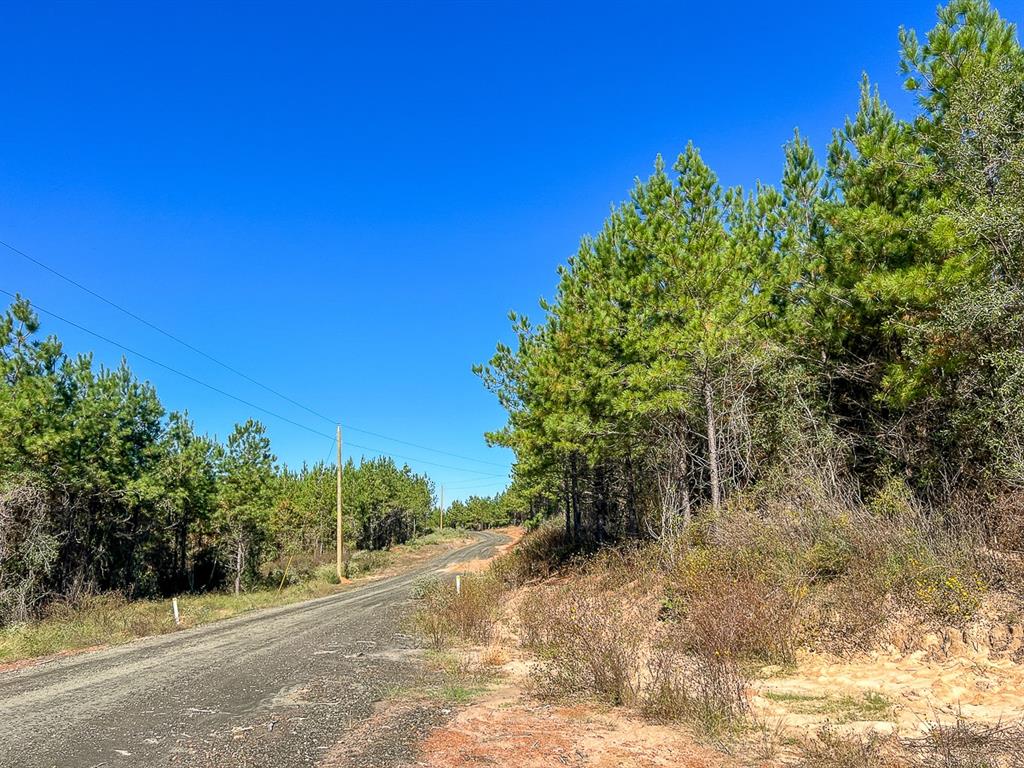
[(387, 504), (303, 518), (479, 512), (246, 497), (188, 480)]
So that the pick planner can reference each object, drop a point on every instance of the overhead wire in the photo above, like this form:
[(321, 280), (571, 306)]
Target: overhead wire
[(471, 484), (231, 368), (241, 400)]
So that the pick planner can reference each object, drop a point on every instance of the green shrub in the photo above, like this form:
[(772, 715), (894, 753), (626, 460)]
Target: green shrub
[(327, 573)]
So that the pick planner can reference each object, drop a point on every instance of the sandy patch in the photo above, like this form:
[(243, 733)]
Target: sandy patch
[(890, 692)]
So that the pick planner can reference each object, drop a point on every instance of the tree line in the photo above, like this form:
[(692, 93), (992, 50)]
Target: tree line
[(486, 511), (856, 327), (102, 489)]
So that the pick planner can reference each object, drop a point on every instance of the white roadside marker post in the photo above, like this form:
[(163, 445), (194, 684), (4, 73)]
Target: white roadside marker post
[(458, 583), (174, 606)]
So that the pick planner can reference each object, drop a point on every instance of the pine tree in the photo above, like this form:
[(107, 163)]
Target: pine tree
[(246, 496)]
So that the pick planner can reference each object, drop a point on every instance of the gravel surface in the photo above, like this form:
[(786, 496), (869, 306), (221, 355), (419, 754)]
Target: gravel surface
[(280, 687), (391, 737)]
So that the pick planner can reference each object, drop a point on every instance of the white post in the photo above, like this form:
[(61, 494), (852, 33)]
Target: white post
[(458, 583), (174, 606)]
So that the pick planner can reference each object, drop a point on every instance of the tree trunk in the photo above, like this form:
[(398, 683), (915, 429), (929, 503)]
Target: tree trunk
[(181, 552), (600, 505), (568, 506), (709, 406), (238, 568), (632, 517), (685, 506), (575, 495)]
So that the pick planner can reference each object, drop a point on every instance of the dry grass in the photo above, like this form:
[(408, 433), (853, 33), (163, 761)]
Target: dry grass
[(538, 555), (944, 745), (532, 618), (593, 644), (832, 750), (708, 692), (493, 656), (733, 616), (963, 744), (598, 634), (446, 615)]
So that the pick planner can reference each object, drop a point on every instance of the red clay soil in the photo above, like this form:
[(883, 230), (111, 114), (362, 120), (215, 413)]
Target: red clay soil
[(509, 729)]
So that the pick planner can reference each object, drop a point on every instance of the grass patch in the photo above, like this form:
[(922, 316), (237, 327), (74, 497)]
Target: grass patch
[(111, 619), (451, 679), (849, 709), (875, 706), (790, 698), (840, 709)]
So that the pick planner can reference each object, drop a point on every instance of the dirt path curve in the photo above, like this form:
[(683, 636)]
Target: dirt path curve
[(272, 688)]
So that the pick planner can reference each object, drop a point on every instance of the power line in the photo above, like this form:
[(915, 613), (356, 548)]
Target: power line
[(424, 447), (232, 369), (468, 485), (421, 461), (245, 402), (160, 330)]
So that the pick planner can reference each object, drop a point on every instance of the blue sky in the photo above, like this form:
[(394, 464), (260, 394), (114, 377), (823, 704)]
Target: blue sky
[(344, 201)]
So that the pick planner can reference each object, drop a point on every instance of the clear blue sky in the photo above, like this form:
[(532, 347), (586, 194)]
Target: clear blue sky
[(344, 201)]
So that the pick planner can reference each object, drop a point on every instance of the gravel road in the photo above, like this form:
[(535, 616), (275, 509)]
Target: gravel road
[(277, 687)]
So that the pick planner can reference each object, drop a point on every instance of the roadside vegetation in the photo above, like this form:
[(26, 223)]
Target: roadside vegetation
[(111, 619), (786, 419), (686, 633), (106, 498)]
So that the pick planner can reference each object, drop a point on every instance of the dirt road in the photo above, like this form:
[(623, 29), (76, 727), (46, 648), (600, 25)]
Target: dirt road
[(272, 688)]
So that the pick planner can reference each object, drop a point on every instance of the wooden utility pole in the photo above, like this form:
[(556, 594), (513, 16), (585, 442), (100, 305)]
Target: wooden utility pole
[(341, 532), (442, 506)]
